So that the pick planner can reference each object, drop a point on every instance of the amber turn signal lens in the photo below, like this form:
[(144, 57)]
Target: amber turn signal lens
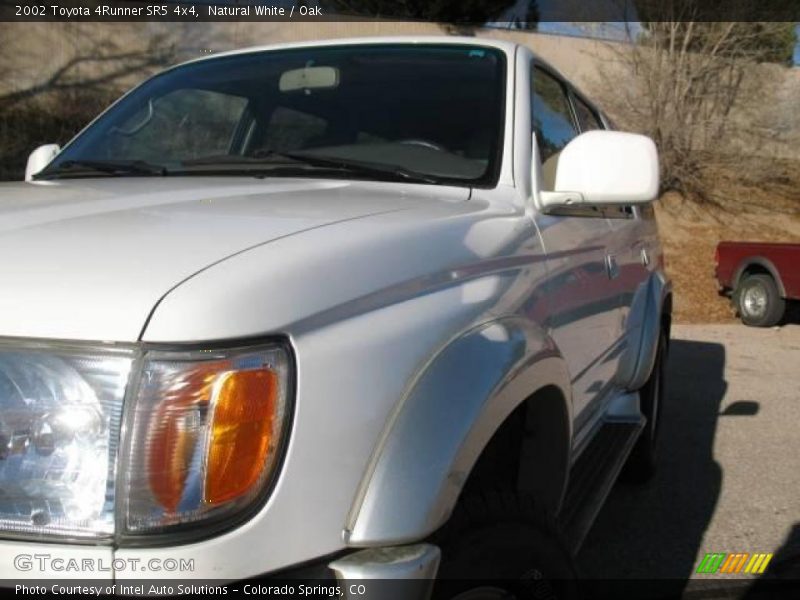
[(241, 437), (205, 430)]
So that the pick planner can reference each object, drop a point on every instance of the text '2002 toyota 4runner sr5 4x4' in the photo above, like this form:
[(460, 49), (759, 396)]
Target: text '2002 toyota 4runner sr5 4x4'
[(389, 307)]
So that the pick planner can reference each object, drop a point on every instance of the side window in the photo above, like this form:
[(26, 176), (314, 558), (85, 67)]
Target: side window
[(552, 122), (587, 118), (589, 121)]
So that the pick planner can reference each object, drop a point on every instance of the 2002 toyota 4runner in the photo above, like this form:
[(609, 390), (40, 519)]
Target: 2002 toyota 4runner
[(392, 307)]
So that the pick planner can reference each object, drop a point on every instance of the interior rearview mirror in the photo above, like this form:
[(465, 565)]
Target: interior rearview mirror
[(309, 78), (39, 159), (600, 168)]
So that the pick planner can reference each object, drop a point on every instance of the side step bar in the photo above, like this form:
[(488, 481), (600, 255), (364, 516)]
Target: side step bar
[(593, 476)]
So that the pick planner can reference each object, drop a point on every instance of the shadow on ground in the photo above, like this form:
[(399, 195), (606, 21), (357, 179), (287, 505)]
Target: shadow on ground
[(782, 579), (792, 314), (654, 531)]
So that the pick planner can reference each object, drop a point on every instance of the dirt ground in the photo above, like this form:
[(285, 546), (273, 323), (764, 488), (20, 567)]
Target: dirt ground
[(746, 210)]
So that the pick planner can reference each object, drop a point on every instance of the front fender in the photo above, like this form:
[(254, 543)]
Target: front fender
[(438, 430)]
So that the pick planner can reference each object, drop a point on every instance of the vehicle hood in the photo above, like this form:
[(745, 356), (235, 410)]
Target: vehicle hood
[(89, 259)]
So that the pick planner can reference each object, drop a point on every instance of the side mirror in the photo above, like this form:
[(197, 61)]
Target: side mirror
[(39, 159), (602, 168)]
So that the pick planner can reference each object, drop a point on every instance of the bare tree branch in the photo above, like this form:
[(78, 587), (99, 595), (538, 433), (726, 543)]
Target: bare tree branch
[(101, 64), (685, 81)]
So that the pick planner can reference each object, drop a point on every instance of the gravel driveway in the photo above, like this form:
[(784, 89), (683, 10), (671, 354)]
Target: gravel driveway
[(729, 470)]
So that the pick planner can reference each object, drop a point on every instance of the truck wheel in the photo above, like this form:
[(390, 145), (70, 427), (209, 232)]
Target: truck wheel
[(641, 464), (759, 302), (499, 544)]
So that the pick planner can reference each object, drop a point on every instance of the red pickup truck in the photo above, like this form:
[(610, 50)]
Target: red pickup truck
[(760, 278)]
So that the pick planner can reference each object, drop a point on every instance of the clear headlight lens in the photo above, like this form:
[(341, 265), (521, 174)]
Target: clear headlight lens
[(206, 431), (203, 435), (59, 425)]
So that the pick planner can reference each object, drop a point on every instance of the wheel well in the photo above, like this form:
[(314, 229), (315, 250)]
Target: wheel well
[(760, 266), (754, 269), (528, 452)]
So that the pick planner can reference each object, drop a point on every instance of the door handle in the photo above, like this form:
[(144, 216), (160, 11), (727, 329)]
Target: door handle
[(612, 267)]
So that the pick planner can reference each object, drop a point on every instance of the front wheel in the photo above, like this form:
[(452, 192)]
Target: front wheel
[(500, 545), (758, 301)]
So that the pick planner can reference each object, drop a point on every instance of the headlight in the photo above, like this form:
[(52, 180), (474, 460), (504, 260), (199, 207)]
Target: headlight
[(206, 430), (59, 424), (201, 439)]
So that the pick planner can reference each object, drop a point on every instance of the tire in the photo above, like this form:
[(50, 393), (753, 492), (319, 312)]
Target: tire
[(758, 301), (499, 544), (641, 464)]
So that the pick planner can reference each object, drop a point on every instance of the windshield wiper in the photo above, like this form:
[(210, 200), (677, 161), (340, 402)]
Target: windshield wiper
[(273, 159), (109, 167), (260, 158), (366, 167)]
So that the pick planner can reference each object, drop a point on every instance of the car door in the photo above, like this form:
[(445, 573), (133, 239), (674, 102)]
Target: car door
[(583, 304), (630, 255), (630, 251)]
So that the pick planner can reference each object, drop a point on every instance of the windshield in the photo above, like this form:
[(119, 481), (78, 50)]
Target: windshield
[(427, 113)]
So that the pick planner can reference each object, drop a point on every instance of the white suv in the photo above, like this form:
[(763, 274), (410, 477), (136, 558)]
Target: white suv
[(390, 307)]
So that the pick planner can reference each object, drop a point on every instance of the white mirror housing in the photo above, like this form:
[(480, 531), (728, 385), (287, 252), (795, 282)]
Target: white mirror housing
[(39, 159), (600, 168)]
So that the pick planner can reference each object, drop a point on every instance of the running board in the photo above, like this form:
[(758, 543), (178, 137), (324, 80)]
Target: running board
[(593, 476)]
